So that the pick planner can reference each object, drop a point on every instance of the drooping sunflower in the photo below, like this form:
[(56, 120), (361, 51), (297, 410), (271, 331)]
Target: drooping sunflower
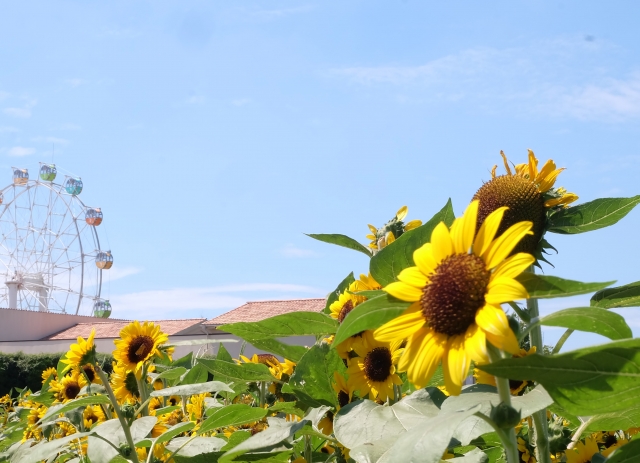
[(529, 194), (517, 387), (347, 301), (457, 286), (344, 390), (91, 415), (124, 384), (69, 387), (374, 371), (49, 372), (138, 344), (583, 452), (392, 230), (82, 353), (90, 372)]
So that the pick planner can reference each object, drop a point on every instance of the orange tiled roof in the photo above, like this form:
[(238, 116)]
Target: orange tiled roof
[(112, 329), (259, 310)]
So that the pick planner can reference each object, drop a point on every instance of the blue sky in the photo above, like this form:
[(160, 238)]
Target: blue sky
[(214, 134)]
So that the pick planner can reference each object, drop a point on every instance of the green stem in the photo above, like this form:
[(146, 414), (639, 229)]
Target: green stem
[(561, 341), (307, 448), (509, 439), (263, 393), (116, 407), (540, 424)]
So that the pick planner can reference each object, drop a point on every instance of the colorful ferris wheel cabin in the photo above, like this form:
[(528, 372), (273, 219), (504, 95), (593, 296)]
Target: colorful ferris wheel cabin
[(48, 172), (73, 185), (20, 176), (104, 260), (93, 216), (102, 309)]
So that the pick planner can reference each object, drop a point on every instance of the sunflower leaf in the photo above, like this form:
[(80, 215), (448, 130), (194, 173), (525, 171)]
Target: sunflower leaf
[(44, 450), (624, 419), (340, 240), (370, 315), (173, 431), (585, 382), (190, 389), (591, 216), (620, 296), (82, 402), (592, 320), (335, 294), (311, 380), (232, 415), (391, 260), (277, 431), (546, 286), (234, 373), (281, 326), (293, 353)]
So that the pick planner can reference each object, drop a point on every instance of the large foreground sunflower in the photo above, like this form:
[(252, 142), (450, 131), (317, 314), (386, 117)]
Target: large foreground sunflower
[(529, 194), (138, 344), (459, 281)]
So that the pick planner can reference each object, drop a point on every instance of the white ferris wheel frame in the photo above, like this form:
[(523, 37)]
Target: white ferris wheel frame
[(39, 248)]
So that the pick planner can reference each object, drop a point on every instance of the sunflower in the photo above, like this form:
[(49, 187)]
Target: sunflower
[(69, 387), (270, 360), (529, 194), (82, 353), (392, 230), (346, 302), (196, 406), (91, 415), (460, 280), (517, 387), (138, 344), (525, 451), (583, 452), (366, 283), (344, 390), (90, 372), (288, 367), (613, 447), (374, 371), (49, 372), (124, 383)]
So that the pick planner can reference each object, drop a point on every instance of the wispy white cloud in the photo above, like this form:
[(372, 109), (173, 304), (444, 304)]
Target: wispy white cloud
[(195, 99), (75, 82), (20, 151), (22, 113), (174, 303), (56, 140), (293, 251), (554, 77), (241, 102)]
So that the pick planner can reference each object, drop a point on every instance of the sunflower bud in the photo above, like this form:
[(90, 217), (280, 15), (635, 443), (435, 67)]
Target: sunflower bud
[(505, 416)]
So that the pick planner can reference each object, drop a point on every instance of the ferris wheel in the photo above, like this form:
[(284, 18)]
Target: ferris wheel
[(50, 254)]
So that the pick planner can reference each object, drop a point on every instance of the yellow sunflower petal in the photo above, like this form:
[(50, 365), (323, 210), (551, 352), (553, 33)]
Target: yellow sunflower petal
[(373, 229), (427, 349), (466, 229), (504, 289), (401, 327), (413, 276), (390, 237), (475, 343), (496, 327), (403, 291), (441, 244), (413, 224), (457, 365), (533, 166), (402, 212), (514, 265), (502, 246), (488, 231), (548, 181), (371, 237), (424, 259)]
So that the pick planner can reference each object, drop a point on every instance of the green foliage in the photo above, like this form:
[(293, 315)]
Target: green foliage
[(590, 216), (280, 326), (391, 260), (25, 370), (341, 240), (590, 319), (335, 294), (545, 286), (621, 296)]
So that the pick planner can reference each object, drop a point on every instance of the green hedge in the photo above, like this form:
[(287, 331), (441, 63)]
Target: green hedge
[(25, 370)]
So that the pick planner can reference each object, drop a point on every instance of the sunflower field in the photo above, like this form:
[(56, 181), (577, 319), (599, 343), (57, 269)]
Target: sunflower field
[(435, 354)]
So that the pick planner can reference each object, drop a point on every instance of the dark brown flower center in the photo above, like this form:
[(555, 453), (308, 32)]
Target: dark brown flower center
[(139, 348), (455, 293), (524, 201), (344, 311), (267, 359), (377, 364), (343, 399), (88, 370), (71, 390)]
